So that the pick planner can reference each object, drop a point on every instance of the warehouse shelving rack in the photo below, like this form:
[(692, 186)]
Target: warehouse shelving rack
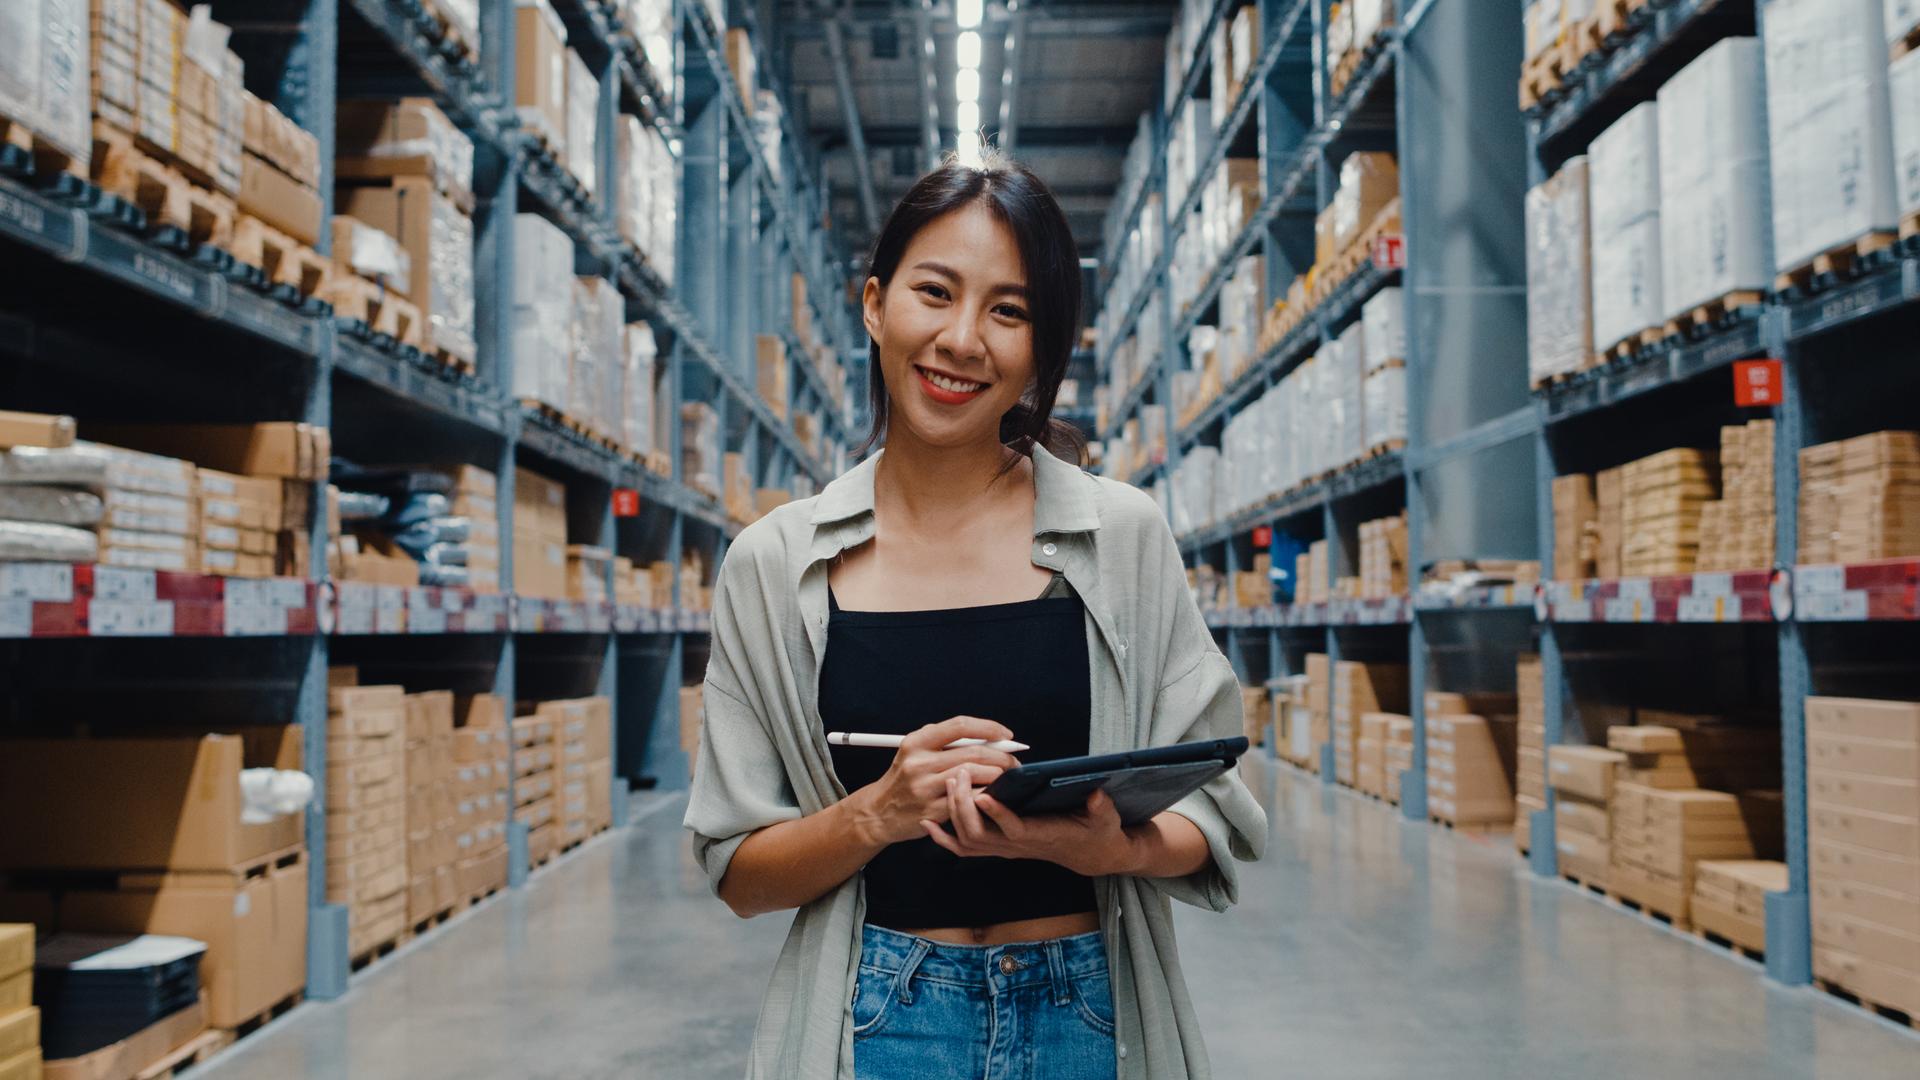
[(223, 351), (1478, 483), (1432, 89)]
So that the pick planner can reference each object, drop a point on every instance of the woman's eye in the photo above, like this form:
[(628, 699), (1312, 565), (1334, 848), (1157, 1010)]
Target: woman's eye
[(936, 291), (1010, 312)]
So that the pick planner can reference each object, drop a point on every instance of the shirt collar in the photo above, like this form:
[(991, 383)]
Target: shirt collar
[(1063, 499)]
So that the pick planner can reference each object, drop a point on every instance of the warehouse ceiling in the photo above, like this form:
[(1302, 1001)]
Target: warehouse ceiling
[(1083, 74)]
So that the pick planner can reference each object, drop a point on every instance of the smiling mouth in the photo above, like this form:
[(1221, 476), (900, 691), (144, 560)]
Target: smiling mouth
[(948, 383)]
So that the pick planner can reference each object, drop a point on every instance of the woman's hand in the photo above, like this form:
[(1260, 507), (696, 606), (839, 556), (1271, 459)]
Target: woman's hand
[(915, 787), (1091, 843)]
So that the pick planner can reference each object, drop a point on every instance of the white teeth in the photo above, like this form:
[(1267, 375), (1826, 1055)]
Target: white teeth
[(953, 385)]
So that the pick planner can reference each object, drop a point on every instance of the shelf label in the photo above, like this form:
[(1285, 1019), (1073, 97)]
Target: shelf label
[(1713, 608), (1573, 611), (389, 620), (50, 582), (130, 618), (626, 503), (1758, 382), (427, 621), (1628, 609), (1390, 252), (1636, 589), (1713, 584), (253, 620), (1848, 606), (121, 584), (16, 618), (1814, 580)]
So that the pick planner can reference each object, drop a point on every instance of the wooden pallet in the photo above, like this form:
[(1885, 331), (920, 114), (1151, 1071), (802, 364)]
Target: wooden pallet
[(264, 1017), (282, 259), (436, 920), (1713, 313), (452, 32), (1580, 883), (194, 1051), (47, 158), (1537, 80), (484, 894), (1382, 449), (1678, 922), (1581, 40), (1909, 225), (1343, 71), (1614, 17), (1635, 343), (1478, 828), (1841, 261), (1890, 1013), (1724, 942), (378, 951), (160, 191), (384, 312)]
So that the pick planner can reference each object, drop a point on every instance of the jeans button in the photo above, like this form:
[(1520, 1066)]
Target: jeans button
[(1008, 965)]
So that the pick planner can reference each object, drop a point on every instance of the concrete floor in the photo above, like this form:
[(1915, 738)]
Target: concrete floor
[(1363, 947)]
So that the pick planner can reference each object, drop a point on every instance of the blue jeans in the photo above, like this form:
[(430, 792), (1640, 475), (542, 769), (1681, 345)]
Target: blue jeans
[(924, 1010)]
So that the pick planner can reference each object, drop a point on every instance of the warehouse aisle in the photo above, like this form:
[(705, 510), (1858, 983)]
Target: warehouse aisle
[(1363, 947)]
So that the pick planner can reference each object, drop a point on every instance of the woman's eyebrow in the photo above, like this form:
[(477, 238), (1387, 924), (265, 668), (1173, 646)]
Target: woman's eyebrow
[(952, 275)]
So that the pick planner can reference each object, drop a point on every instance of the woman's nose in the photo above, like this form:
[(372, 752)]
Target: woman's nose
[(960, 334)]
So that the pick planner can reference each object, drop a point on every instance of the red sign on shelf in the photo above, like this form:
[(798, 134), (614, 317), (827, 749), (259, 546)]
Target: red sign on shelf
[(1263, 536), (1758, 382), (1390, 252), (626, 503)]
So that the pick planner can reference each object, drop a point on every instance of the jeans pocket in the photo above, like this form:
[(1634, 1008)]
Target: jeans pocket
[(1093, 996), (873, 998)]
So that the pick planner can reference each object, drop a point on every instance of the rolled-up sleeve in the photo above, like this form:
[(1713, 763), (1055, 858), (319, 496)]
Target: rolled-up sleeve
[(740, 783), (1200, 699)]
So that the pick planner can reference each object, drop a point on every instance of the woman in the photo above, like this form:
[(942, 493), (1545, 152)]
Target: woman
[(965, 583)]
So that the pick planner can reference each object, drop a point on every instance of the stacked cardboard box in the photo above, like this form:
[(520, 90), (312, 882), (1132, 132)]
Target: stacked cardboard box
[(171, 854), (1583, 781), (1863, 838), (366, 789), (476, 494), (1628, 293), (539, 536), (481, 774), (535, 790), (1559, 276), (1715, 233), (1319, 707), (1360, 688), (1383, 556), (1574, 523), (736, 486), (1730, 898), (1661, 500), (1471, 744), (646, 199), (1736, 530), (540, 72), (587, 570), (1399, 756), (1860, 499), (1721, 757), (571, 740), (378, 141), (1254, 714), (583, 115), (771, 367), (437, 235), (639, 401), (543, 311), (1660, 833), (240, 517), (599, 759), (19, 1020), (1609, 523), (1370, 754), (88, 502), (1530, 761), (700, 454), (280, 173), (432, 821), (45, 57), (596, 357)]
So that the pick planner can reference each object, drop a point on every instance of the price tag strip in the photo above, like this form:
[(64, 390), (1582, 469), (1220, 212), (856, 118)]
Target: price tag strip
[(1879, 591)]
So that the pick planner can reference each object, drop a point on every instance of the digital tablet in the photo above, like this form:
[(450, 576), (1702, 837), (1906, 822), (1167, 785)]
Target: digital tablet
[(1141, 783)]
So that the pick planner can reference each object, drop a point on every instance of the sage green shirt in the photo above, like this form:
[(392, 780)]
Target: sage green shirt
[(1157, 678)]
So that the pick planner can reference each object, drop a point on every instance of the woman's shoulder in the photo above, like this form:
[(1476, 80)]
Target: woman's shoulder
[(771, 540), (1125, 507)]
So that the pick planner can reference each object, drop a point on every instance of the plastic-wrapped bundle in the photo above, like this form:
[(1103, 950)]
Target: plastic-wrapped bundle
[(448, 553), (637, 388), (543, 309), (700, 444), (664, 206), (1559, 275), (1386, 394), (594, 337), (446, 577), (362, 506), (22, 541), (450, 322), (50, 505), (1715, 219), (633, 182), (1624, 201), (583, 114), (371, 253), (91, 465), (1384, 316), (1352, 373)]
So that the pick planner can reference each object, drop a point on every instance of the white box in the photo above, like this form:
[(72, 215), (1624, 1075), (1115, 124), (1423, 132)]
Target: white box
[(1904, 85), (1559, 274), (1386, 405), (542, 309), (583, 121), (1829, 126), (1715, 220), (1624, 199), (1384, 316), (45, 78)]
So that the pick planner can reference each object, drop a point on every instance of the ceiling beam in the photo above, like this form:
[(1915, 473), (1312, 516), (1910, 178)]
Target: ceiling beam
[(1095, 139)]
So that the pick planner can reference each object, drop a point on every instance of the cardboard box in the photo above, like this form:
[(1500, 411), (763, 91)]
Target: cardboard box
[(35, 429), (438, 239), (19, 1032), (1884, 833), (1838, 898), (1584, 771), (254, 924), (540, 70), (283, 449), (380, 140), (149, 803), (16, 949), (280, 200), (1864, 718)]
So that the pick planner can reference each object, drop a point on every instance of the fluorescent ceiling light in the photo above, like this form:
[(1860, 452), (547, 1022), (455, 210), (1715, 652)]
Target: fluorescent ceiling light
[(968, 147), (966, 84), (966, 116), (967, 48), (967, 13)]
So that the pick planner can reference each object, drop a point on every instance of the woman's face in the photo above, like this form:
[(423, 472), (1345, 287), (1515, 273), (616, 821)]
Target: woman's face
[(956, 343)]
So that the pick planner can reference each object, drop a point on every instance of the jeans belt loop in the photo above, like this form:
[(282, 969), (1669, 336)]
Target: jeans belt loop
[(1057, 967), (903, 982)]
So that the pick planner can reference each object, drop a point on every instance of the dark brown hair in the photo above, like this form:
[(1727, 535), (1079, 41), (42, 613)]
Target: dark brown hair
[(1023, 202)]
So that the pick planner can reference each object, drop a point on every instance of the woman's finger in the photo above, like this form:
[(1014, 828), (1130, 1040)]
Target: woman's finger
[(966, 818), (1008, 821), (942, 837)]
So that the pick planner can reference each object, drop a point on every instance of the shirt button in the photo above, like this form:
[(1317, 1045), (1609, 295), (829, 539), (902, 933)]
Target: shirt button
[(1008, 965), (1048, 549), (1123, 1049)]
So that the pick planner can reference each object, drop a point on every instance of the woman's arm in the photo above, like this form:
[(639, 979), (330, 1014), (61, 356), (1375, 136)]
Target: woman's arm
[(793, 863), (1092, 842)]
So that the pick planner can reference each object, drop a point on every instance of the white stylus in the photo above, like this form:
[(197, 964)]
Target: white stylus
[(892, 742)]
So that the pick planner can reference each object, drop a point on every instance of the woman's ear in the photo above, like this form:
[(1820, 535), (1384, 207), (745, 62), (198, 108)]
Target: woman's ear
[(870, 306)]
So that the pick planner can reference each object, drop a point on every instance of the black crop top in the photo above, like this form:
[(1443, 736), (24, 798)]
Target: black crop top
[(892, 672)]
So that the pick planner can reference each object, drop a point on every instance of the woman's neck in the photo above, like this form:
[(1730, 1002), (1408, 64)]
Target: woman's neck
[(936, 485)]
